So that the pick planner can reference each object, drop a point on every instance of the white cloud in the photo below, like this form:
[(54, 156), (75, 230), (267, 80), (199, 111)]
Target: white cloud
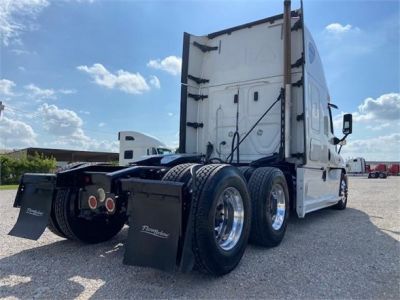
[(170, 114), (385, 107), (154, 81), (85, 143), (6, 87), (376, 114), (171, 64), (66, 128), (104, 145), (67, 92), (40, 94), (16, 133), (376, 126), (81, 1), (101, 124), (62, 122), (337, 28), (84, 112), (352, 40), (20, 52), (384, 148), (131, 83), (17, 17)]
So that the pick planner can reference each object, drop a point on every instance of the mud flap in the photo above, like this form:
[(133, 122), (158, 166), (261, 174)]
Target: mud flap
[(155, 217), (34, 196)]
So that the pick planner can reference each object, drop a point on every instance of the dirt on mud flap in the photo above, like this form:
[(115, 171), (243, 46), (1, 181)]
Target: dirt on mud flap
[(34, 197), (155, 222)]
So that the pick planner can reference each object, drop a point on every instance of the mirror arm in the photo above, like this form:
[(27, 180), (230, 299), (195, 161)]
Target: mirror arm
[(343, 138)]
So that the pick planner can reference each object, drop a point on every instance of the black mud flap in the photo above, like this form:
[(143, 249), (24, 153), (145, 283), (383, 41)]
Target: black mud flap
[(155, 217), (34, 196)]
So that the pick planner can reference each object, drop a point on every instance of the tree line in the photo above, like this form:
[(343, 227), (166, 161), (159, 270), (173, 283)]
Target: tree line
[(13, 168)]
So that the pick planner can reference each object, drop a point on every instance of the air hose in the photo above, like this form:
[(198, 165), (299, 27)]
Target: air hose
[(230, 156)]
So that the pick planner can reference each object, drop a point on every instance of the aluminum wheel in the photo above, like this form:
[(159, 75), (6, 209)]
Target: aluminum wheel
[(229, 218), (277, 209), (343, 191)]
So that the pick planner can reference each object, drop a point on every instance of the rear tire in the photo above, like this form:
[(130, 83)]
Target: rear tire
[(270, 202), (179, 173), (99, 229), (53, 225), (218, 243)]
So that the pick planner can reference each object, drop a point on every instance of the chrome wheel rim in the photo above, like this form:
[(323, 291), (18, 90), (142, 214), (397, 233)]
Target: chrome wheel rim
[(343, 192), (277, 209), (229, 218)]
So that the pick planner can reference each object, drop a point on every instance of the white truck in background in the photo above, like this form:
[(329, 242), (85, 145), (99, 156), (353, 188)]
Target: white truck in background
[(356, 165), (133, 145)]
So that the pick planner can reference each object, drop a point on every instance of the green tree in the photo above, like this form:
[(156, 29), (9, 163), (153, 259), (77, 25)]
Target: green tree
[(13, 168)]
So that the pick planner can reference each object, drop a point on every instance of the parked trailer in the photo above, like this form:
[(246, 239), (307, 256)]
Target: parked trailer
[(256, 141), (394, 170)]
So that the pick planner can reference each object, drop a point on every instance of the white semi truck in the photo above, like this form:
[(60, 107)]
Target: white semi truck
[(256, 144), (134, 145), (356, 165)]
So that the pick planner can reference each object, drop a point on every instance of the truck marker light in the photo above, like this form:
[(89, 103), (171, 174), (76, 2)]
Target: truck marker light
[(92, 201), (110, 205)]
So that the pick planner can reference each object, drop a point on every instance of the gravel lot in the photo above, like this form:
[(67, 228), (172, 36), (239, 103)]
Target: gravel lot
[(330, 254)]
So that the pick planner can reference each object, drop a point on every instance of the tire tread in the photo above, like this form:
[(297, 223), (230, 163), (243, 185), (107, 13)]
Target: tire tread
[(201, 178), (260, 177)]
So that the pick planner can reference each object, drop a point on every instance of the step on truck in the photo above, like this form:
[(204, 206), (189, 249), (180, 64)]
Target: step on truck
[(256, 143)]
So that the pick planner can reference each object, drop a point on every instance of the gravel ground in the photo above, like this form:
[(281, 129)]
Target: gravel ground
[(330, 254)]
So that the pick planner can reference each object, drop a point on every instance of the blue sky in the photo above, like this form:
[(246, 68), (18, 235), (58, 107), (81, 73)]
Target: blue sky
[(74, 73)]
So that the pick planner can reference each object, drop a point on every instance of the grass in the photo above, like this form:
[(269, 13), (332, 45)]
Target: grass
[(8, 187)]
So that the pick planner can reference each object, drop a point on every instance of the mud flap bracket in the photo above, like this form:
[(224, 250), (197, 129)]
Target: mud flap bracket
[(155, 220), (34, 197)]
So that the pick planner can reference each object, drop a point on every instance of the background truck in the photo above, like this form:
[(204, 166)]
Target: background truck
[(256, 143), (133, 145), (356, 166), (379, 171)]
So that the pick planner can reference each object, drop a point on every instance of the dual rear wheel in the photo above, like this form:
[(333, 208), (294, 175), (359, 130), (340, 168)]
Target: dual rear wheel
[(226, 211)]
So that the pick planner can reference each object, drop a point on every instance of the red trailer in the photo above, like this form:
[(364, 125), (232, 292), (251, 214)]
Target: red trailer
[(381, 168), (379, 171), (394, 170)]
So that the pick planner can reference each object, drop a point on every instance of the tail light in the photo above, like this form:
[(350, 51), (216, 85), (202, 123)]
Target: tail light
[(110, 205), (92, 202)]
